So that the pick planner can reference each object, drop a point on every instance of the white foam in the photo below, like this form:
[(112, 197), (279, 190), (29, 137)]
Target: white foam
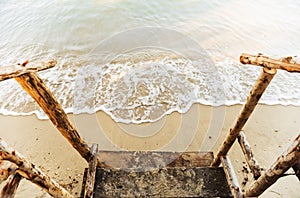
[(145, 86)]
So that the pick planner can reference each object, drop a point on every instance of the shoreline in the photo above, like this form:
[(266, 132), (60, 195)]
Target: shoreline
[(269, 130), (70, 112)]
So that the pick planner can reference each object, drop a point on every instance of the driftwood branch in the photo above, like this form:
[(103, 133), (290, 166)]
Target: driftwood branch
[(231, 177), (282, 164), (91, 174), (36, 88), (264, 61), (251, 161), (10, 188), (31, 172), (252, 100), (7, 72)]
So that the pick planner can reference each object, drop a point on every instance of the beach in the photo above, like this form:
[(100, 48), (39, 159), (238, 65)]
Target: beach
[(170, 67), (269, 130)]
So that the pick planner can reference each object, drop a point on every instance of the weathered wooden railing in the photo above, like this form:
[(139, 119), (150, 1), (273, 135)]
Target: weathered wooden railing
[(251, 161), (29, 171), (91, 174), (289, 159), (25, 75)]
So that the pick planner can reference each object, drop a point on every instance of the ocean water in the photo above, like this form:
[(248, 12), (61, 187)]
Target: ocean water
[(140, 60)]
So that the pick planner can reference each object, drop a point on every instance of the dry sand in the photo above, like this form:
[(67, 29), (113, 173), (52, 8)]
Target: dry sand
[(269, 131)]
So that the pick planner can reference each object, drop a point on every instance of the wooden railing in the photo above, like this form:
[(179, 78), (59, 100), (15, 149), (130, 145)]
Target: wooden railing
[(289, 159)]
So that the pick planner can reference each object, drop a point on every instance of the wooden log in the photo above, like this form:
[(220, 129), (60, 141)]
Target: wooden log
[(289, 158), (252, 100), (31, 172), (231, 177), (7, 72), (264, 61), (36, 88), (251, 161), (6, 169), (10, 188), (91, 174)]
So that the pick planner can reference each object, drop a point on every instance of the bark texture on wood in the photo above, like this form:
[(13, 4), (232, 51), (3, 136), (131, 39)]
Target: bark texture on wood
[(13, 71), (31, 172), (10, 188), (264, 61), (36, 88), (282, 164), (6, 169), (231, 177), (252, 100), (251, 161), (91, 174)]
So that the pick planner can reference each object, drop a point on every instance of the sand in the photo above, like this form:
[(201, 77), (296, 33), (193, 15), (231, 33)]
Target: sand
[(269, 131)]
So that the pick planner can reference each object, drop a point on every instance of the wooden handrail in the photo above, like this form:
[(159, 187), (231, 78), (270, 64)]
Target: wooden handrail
[(264, 61), (290, 158), (31, 172), (37, 89), (247, 151), (231, 177), (280, 166), (91, 173), (7, 72), (252, 100)]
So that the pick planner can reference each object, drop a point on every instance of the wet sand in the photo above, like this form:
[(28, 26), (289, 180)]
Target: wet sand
[(269, 131)]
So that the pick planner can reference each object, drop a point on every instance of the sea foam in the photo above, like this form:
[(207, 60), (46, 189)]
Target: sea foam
[(145, 85)]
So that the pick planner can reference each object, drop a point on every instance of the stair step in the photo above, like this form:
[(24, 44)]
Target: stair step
[(154, 159), (162, 182), (158, 174)]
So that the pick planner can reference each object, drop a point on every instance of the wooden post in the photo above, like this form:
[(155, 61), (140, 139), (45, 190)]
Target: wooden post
[(31, 172), (91, 173), (282, 164), (251, 161), (264, 61), (13, 71), (231, 177), (36, 88), (10, 188), (252, 100)]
